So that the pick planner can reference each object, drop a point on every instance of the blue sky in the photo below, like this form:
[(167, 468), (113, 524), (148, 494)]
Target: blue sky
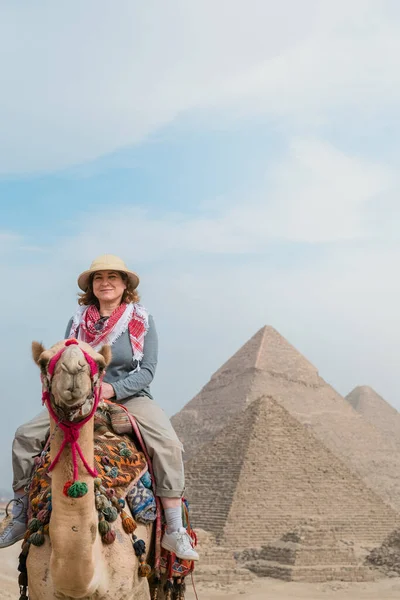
[(241, 156), (159, 175)]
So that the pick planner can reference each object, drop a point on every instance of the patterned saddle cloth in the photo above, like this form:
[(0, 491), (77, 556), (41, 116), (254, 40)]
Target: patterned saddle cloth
[(122, 463)]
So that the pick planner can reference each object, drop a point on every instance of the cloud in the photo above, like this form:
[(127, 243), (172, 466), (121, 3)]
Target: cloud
[(8, 241), (314, 193), (99, 79)]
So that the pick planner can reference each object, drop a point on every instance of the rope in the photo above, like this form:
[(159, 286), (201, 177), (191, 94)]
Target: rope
[(194, 587)]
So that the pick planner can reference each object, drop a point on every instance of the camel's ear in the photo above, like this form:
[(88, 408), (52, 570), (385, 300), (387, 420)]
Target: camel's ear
[(40, 355), (105, 353)]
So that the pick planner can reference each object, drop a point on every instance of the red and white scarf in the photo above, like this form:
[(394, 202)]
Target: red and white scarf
[(133, 317)]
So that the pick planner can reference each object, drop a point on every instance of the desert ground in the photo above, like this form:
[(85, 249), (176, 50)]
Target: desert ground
[(262, 589)]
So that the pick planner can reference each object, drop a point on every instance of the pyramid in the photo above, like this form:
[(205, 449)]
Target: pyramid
[(310, 552), (376, 411), (268, 365), (266, 473)]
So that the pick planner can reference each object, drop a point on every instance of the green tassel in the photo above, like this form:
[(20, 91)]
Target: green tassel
[(34, 525), (111, 514), (104, 527), (77, 489), (37, 539)]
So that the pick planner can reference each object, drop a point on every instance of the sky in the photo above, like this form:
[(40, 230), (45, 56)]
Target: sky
[(240, 155)]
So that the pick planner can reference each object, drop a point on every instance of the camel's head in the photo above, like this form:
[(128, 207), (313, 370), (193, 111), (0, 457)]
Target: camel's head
[(71, 372)]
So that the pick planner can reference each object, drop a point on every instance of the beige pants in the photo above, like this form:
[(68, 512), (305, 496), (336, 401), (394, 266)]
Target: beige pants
[(162, 444)]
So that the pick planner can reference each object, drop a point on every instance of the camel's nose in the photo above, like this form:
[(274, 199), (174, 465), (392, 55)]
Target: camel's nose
[(75, 372), (75, 367)]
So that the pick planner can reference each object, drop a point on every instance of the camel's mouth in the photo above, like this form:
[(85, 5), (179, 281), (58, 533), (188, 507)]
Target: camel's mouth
[(74, 412)]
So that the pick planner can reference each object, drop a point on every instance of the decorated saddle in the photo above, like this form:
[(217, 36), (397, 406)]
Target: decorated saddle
[(124, 489)]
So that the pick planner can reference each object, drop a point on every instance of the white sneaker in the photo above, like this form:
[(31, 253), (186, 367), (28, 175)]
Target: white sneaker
[(11, 532), (180, 543)]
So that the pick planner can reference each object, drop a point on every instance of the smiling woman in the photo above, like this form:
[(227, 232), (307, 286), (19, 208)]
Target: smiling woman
[(109, 287), (109, 313)]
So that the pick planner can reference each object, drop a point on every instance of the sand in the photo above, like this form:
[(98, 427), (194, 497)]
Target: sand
[(261, 589)]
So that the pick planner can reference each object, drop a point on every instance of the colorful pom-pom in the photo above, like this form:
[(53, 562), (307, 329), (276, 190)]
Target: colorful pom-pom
[(110, 513), (101, 502), (43, 516), (37, 539), (109, 537), (140, 547), (77, 489), (104, 527), (66, 487), (34, 525), (144, 570)]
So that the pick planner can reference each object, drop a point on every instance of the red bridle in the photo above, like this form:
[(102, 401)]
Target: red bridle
[(71, 430)]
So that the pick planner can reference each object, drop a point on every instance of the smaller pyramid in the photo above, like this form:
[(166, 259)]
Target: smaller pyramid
[(308, 553), (265, 472), (379, 413)]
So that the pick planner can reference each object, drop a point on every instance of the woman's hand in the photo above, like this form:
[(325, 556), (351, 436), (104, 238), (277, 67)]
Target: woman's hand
[(107, 391)]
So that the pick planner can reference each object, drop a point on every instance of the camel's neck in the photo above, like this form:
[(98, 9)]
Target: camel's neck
[(76, 558)]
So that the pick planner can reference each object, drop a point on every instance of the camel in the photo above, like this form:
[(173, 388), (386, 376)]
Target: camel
[(73, 562)]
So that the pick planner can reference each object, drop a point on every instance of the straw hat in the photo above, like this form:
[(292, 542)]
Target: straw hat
[(107, 262)]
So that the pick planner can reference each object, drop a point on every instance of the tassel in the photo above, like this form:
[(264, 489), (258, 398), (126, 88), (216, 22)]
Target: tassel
[(144, 568), (37, 539), (179, 589), (23, 573), (156, 588), (101, 501), (128, 523), (154, 593), (34, 525), (110, 513), (104, 527), (43, 515), (168, 589), (140, 547), (109, 537), (76, 489)]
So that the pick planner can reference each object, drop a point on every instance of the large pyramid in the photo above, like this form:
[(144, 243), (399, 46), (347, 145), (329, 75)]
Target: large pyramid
[(265, 474), (376, 411), (269, 365)]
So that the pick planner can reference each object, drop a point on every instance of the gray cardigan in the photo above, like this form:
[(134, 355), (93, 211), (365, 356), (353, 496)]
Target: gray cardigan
[(120, 373)]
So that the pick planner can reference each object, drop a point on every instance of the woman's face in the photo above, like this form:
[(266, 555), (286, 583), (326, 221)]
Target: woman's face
[(108, 286)]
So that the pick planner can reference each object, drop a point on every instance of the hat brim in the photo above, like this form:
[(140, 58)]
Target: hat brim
[(84, 278)]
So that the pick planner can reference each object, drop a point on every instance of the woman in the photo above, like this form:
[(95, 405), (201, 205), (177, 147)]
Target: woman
[(109, 313)]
